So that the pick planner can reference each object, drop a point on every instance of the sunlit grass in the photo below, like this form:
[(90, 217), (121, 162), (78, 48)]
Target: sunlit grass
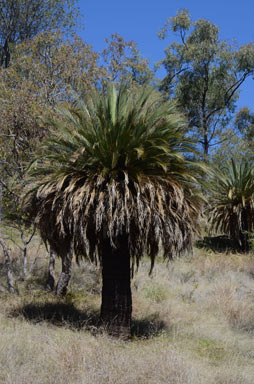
[(193, 323)]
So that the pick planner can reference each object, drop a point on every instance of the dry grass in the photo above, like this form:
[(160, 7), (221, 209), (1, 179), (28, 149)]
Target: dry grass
[(193, 323)]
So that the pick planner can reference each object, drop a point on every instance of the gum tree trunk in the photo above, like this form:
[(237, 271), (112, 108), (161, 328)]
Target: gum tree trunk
[(10, 278), (51, 280), (61, 288), (25, 244), (116, 306), (25, 261)]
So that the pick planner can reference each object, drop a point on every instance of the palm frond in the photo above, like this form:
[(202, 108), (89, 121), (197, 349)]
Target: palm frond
[(116, 164), (232, 199)]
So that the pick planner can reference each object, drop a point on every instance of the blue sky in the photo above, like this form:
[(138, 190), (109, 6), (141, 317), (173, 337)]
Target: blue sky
[(140, 21)]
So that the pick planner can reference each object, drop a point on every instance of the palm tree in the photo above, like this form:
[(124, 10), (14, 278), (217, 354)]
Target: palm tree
[(232, 201), (113, 183)]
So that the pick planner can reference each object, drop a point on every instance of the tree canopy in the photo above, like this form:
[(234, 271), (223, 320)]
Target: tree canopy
[(21, 20), (124, 62), (204, 73)]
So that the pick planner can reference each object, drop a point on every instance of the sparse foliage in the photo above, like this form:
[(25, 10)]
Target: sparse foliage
[(204, 73), (22, 20), (43, 73), (124, 63), (244, 124)]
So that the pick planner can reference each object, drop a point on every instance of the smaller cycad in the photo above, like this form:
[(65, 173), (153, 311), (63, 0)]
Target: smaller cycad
[(232, 201)]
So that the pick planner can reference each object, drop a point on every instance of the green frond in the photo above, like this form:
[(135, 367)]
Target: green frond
[(116, 163), (232, 199)]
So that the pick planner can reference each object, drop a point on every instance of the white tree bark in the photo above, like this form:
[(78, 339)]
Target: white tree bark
[(50, 284), (61, 288), (10, 278)]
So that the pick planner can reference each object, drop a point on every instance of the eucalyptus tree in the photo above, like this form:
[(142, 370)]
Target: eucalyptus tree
[(244, 123), (43, 73), (21, 20), (204, 73), (113, 183), (124, 63), (232, 201)]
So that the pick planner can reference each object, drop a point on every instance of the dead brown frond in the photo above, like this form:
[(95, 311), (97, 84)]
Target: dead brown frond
[(152, 213)]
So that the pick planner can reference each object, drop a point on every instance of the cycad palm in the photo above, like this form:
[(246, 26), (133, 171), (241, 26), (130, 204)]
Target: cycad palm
[(232, 201), (113, 183)]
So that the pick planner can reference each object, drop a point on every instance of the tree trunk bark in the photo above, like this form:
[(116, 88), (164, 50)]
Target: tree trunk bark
[(51, 280), (61, 288), (244, 233), (116, 306), (5, 57), (10, 278), (25, 261), (206, 148), (1, 199)]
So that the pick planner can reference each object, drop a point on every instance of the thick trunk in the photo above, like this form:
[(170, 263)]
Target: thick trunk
[(10, 278), (50, 284), (116, 306), (61, 288), (244, 233)]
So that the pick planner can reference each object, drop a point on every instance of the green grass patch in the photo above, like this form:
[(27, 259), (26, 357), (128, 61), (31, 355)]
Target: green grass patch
[(156, 293), (212, 350)]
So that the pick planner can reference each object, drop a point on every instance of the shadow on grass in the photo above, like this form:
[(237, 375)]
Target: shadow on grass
[(148, 327), (66, 315), (221, 244), (59, 314)]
